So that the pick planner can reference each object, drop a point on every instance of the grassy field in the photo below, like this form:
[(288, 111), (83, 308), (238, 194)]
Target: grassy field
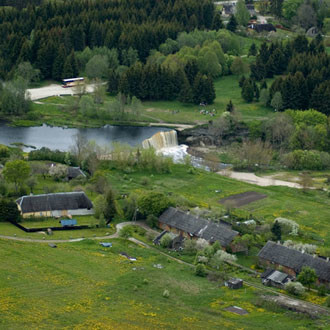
[(310, 209), (59, 111), (84, 286)]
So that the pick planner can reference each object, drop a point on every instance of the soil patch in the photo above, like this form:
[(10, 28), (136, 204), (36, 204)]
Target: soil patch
[(243, 198), (236, 310)]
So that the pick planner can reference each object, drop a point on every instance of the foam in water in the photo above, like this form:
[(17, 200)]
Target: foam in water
[(166, 143)]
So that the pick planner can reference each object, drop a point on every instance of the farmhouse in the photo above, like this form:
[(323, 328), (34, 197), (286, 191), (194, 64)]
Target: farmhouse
[(267, 27), (292, 261), (55, 205), (189, 226)]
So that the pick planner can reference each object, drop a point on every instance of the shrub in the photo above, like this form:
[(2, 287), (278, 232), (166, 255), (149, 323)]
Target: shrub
[(153, 203), (126, 232), (152, 221), (288, 226), (322, 290), (190, 246), (166, 294), (9, 211), (102, 223), (307, 160), (200, 270), (166, 241), (145, 181), (100, 205), (201, 244), (295, 288)]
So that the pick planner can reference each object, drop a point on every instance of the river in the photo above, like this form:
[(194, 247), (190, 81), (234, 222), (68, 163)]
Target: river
[(62, 138)]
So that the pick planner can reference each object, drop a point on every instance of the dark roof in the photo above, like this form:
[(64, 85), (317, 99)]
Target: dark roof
[(198, 227), (263, 27), (74, 172), (295, 260), (54, 202)]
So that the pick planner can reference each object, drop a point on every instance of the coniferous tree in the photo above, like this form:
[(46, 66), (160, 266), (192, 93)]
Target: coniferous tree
[(186, 94), (276, 7), (203, 89), (253, 50), (217, 22), (277, 231), (110, 209), (248, 90), (113, 82), (230, 106), (232, 24), (58, 64), (241, 81), (191, 71)]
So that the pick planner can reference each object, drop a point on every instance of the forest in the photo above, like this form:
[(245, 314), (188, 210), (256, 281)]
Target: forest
[(47, 35)]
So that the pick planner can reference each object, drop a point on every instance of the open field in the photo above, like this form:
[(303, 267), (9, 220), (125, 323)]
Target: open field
[(84, 286), (310, 209), (62, 111)]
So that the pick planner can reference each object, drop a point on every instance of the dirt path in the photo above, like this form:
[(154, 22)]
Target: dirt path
[(260, 181)]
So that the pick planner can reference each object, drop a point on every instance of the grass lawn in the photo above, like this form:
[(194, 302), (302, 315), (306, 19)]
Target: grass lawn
[(58, 111), (310, 209), (84, 286)]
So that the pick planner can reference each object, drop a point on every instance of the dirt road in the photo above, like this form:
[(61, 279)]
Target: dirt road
[(260, 181), (54, 90)]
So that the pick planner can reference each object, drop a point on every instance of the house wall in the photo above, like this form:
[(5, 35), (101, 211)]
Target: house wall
[(174, 230), (58, 213)]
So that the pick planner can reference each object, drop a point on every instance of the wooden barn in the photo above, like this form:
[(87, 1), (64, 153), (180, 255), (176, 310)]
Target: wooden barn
[(55, 205), (189, 226), (292, 261)]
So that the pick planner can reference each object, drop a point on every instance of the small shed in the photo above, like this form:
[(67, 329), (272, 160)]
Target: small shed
[(275, 278), (68, 222), (234, 283)]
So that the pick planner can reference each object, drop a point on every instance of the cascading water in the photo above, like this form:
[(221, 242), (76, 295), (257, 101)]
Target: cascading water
[(166, 143)]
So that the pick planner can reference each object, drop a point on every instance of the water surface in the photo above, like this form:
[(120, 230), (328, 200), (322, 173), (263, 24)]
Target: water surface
[(62, 138)]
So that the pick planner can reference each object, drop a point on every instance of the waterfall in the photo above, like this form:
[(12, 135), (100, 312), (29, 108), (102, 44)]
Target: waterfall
[(161, 140)]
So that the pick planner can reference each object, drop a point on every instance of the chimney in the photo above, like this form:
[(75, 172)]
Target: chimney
[(279, 242), (314, 255), (328, 259)]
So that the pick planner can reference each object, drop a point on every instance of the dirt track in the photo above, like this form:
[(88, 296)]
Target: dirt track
[(54, 90), (259, 181)]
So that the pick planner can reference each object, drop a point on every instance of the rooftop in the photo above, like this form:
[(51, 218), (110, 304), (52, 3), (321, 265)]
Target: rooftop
[(199, 227), (295, 260), (54, 202)]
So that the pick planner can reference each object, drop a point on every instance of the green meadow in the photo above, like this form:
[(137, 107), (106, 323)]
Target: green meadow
[(84, 286), (61, 111)]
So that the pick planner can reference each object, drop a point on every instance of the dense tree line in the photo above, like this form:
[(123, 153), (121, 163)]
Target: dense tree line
[(154, 82), (307, 81), (47, 35)]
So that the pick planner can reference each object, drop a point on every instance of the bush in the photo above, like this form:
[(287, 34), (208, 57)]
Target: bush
[(200, 270), (152, 221), (295, 288), (9, 211), (166, 241), (322, 290), (166, 294), (190, 246), (307, 160), (153, 203), (126, 232)]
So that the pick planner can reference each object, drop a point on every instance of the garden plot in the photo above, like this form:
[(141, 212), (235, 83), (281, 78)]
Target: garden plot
[(242, 199)]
